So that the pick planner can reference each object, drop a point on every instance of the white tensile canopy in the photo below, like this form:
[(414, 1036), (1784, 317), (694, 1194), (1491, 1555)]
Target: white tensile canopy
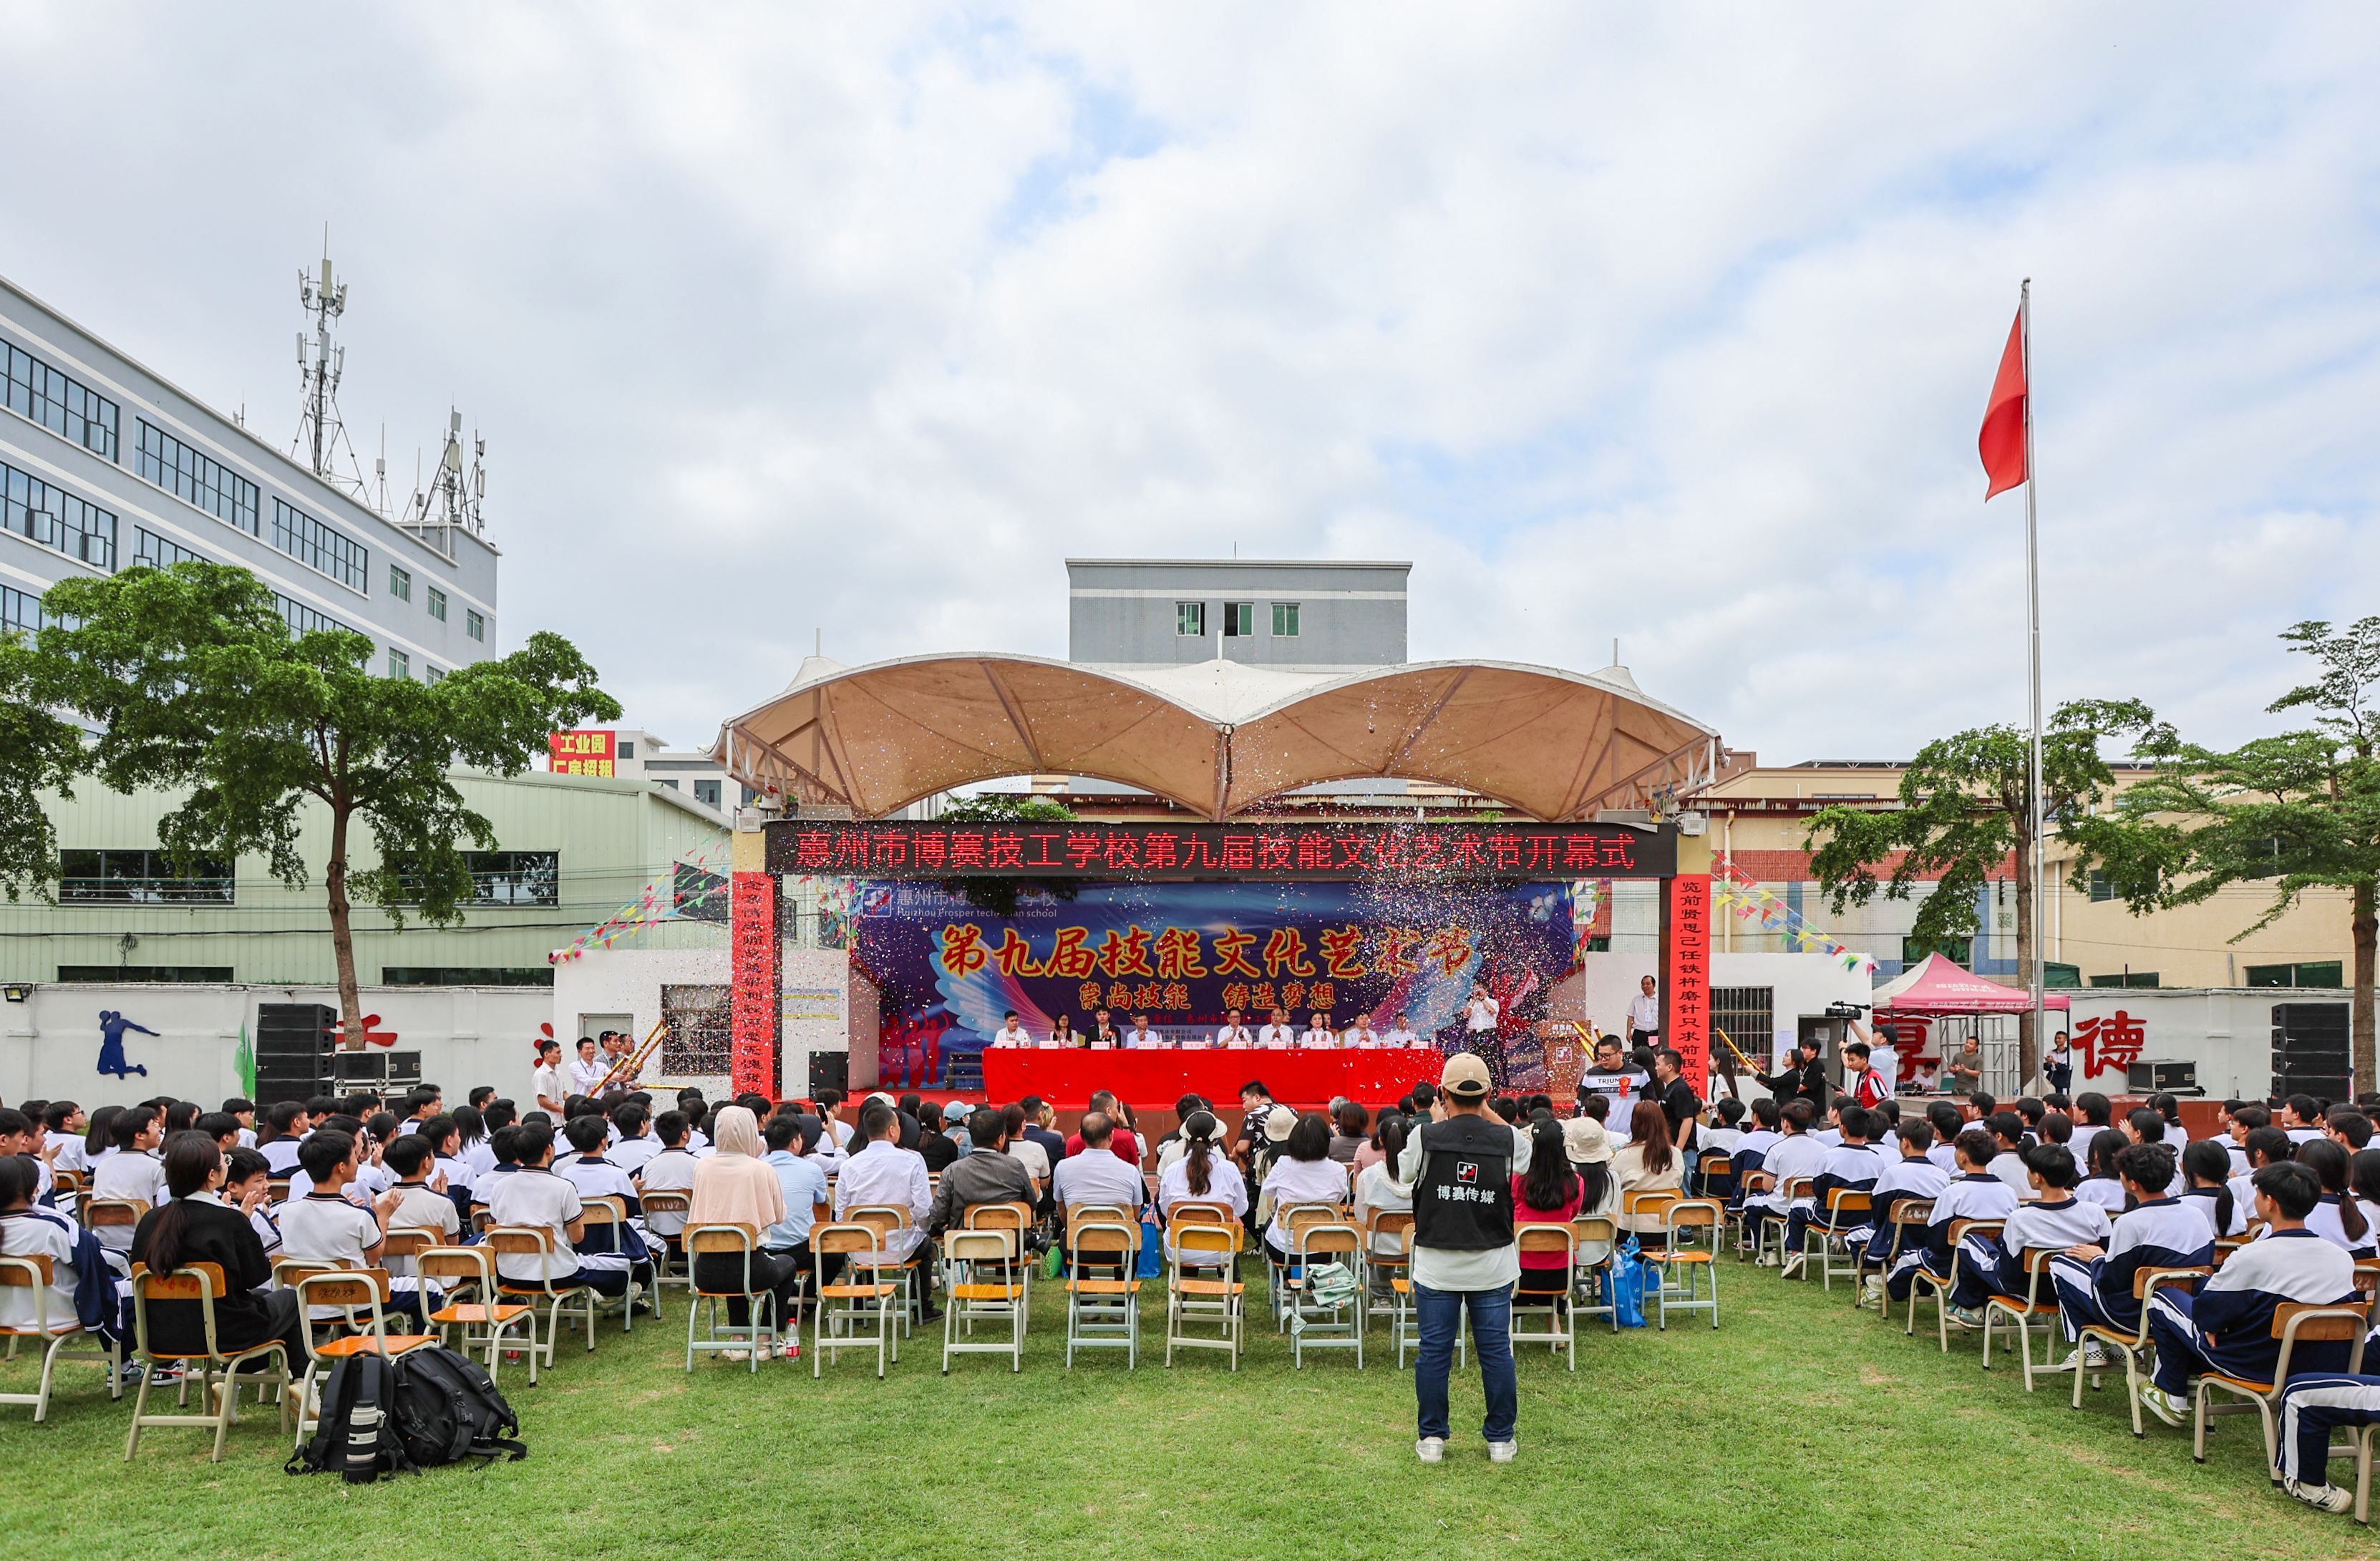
[(1216, 737)]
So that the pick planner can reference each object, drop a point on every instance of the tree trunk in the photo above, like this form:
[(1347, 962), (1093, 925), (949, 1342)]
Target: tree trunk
[(2027, 1044), (2364, 925), (343, 938)]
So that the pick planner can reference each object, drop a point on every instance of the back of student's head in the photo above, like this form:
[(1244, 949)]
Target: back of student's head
[(2307, 1107), (131, 1123), (1947, 1120), (18, 1180), (2149, 1166), (1309, 1140), (1984, 1105), (1856, 1122), (670, 1128), (409, 1156), (2294, 1189), (504, 1143), (2268, 1146), (2057, 1102), (779, 1131), (1977, 1146), (1767, 1113), (237, 1103), (2101, 1153), (2365, 1177), (324, 1151), (217, 1124), (876, 1120), (586, 1133), (1729, 1109), (2056, 1128), (1918, 1135), (2352, 1126), (1507, 1107), (322, 1105), (2207, 1160), (442, 1132), (2095, 1107), (1352, 1119), (2006, 1125), (182, 1116), (630, 1117), (499, 1114), (531, 1145), (2054, 1163), (57, 1114), (2147, 1123), (1595, 1105), (1799, 1115), (2031, 1110)]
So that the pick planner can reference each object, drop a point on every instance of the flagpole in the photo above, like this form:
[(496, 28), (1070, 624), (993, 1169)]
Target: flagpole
[(2033, 615)]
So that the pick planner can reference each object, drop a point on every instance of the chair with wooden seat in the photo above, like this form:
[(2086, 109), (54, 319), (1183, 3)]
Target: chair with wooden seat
[(1560, 1332), (35, 1272), (484, 1320), (1744, 1217), (909, 1267), (1319, 1318), (1793, 1191), (352, 1291), (1197, 1247), (1018, 1218), (220, 1374), (1104, 1313), (605, 1232), (2037, 1305), (1295, 1217), (865, 1297), (1910, 1218), (1715, 1175), (2135, 1346), (113, 1213), (1925, 1280), (276, 1189), (984, 1282), (1597, 1272), (1685, 1223), (2293, 1321), (761, 1332), (66, 1189), (1846, 1210), (1381, 1268), (577, 1301), (667, 1203)]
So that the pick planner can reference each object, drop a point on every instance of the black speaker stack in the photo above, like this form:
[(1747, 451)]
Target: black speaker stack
[(830, 1070), (294, 1047), (2309, 1052)]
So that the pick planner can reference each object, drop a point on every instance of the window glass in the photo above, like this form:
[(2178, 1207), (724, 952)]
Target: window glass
[(1239, 618), (42, 512), (400, 583), (195, 478), (1190, 619), (475, 625), (140, 877), (318, 546), (33, 389), (400, 665), (438, 604), (1285, 619)]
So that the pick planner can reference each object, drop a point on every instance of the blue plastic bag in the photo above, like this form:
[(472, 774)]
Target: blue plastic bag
[(1630, 1276), (1152, 1254)]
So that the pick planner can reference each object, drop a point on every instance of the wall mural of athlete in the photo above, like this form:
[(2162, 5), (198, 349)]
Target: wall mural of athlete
[(112, 1026)]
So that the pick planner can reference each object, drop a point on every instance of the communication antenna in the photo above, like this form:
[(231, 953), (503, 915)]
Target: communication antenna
[(320, 364), (452, 503)]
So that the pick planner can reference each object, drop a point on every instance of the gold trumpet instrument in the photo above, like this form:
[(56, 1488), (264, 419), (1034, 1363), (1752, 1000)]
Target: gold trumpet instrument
[(624, 1072), (1739, 1057)]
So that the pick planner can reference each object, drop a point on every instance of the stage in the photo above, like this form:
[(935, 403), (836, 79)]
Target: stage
[(1155, 1078)]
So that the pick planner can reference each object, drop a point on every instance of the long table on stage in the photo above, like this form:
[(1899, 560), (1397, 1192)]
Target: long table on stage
[(1153, 1078)]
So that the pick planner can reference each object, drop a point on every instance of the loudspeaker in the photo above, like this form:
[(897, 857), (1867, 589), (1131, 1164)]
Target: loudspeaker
[(830, 1070), (295, 1047), (2311, 1051), (2162, 1078)]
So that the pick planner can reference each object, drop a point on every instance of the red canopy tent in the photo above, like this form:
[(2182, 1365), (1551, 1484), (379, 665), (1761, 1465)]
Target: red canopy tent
[(1938, 989)]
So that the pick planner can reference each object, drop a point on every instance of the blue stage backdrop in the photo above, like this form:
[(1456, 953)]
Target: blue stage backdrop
[(1186, 952)]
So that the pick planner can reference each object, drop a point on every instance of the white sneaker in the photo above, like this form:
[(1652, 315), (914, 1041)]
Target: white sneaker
[(1792, 1267), (1964, 1316), (1505, 1452), (2165, 1406), (2330, 1499), (1768, 1260), (1871, 1288), (1430, 1449)]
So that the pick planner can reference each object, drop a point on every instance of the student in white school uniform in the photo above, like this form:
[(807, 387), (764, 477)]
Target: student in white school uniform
[(326, 1226), (1797, 1155), (1278, 1034), (670, 1170), (1912, 1177), (422, 1203), (82, 1285), (1853, 1166), (244, 1110), (1320, 1034), (632, 1142), (288, 1125), (2206, 1167), (589, 1170), (1974, 1193), (2301, 1118), (247, 1187), (2008, 1158), (2094, 1279), (2337, 1218), (534, 1196), (133, 1171), (2055, 1219), (1234, 1035)]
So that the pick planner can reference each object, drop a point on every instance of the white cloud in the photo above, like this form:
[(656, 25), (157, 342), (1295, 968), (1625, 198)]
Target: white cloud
[(1668, 325)]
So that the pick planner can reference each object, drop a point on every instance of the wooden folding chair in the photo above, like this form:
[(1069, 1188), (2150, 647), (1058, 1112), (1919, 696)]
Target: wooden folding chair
[(678, 1205), (867, 1298), (2024, 1311), (1319, 1322), (484, 1320), (35, 1272), (1843, 1208), (1925, 1280), (983, 1281), (1909, 1214), (1020, 1218), (606, 1232), (2134, 1347), (1104, 1313), (200, 1283), (1203, 1248), (579, 1300), (762, 1331), (1715, 1166), (1679, 1254), (351, 1291), (66, 1189), (2293, 1321), (1560, 1333), (113, 1213)]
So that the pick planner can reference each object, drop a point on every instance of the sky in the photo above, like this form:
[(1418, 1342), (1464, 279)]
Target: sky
[(1671, 324)]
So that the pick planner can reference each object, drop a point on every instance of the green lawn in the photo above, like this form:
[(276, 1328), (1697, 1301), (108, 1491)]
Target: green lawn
[(1800, 1429)]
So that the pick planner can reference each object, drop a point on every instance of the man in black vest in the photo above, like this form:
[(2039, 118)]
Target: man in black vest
[(1461, 1167)]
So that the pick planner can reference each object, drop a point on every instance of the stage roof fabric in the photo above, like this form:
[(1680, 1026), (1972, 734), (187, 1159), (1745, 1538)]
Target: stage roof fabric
[(1218, 737)]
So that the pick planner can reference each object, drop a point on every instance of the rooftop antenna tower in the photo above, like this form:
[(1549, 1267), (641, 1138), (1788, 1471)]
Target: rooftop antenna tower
[(451, 503), (320, 363)]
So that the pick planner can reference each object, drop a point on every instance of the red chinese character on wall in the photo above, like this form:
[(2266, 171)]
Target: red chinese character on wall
[(1619, 854), (1015, 955), (1285, 950), (1177, 996), (1121, 853), (933, 848), (963, 949), (1341, 949), (1083, 848), (1125, 954), (1578, 852), (1177, 955), (1239, 853), (1322, 995), (2110, 1041), (1071, 957)]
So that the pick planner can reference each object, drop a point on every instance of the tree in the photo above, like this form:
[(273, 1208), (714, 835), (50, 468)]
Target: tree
[(999, 895), (196, 684), (2299, 810), (38, 752), (1966, 809)]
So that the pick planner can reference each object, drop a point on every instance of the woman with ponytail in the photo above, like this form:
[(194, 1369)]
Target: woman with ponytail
[(195, 1227), (2207, 1166), (2338, 1218)]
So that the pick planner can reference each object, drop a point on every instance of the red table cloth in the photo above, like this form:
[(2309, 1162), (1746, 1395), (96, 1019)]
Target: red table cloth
[(1154, 1079)]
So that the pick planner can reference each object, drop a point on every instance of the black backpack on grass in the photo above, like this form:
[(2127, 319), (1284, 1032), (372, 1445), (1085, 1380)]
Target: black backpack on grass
[(426, 1407)]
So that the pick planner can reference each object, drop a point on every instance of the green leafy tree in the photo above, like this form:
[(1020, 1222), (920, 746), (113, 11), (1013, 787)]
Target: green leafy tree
[(999, 895), (2298, 811), (38, 753), (196, 685), (1964, 820)]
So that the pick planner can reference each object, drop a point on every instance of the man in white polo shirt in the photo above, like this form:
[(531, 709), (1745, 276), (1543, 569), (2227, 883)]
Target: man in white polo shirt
[(1361, 1034), (1233, 1033), (1011, 1033), (1401, 1033), (1140, 1034), (1279, 1035)]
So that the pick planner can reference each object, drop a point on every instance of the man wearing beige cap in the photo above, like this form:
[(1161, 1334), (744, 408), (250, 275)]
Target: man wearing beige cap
[(1461, 1167)]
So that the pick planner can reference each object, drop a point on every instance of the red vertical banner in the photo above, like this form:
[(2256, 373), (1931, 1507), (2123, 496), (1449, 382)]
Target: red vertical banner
[(1685, 970), (755, 966)]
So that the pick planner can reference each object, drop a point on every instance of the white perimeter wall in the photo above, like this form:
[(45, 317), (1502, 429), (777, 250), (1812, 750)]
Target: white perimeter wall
[(2227, 1031), (817, 1012), (1802, 984)]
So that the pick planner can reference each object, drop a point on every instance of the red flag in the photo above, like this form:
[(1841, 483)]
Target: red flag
[(2002, 441)]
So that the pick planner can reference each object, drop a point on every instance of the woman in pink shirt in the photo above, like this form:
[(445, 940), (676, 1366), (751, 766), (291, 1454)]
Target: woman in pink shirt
[(1547, 1193)]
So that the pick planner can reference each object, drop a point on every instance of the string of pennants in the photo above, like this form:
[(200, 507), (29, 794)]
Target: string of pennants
[(1740, 892), (660, 901)]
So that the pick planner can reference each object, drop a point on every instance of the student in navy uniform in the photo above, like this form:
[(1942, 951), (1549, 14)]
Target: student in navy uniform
[(1974, 1193), (2312, 1406), (2008, 1150), (1915, 1177), (2265, 1146), (83, 1286), (2205, 1170), (2095, 1283), (2103, 1186), (1797, 1155), (288, 1124), (1852, 1167), (2338, 1218), (1752, 1150), (2239, 1122), (2055, 1219), (2226, 1326)]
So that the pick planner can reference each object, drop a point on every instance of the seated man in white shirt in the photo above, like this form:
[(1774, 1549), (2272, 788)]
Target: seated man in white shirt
[(422, 1200), (1234, 1035), (1401, 1033), (1098, 1175), (1321, 1033), (1012, 1033), (1140, 1034), (885, 1173), (1361, 1034), (1279, 1035)]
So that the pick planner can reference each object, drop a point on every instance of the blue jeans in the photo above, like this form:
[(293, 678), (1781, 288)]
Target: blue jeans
[(1440, 1315)]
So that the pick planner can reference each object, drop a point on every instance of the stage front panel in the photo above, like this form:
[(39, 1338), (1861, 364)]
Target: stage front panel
[(1154, 1080)]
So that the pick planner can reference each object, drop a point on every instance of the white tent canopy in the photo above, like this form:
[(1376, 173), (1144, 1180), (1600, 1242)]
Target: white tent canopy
[(1216, 737)]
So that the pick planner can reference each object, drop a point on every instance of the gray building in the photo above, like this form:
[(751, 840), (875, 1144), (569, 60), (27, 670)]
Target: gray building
[(1290, 615), (107, 465)]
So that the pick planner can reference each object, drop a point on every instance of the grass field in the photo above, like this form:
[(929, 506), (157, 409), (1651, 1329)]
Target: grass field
[(1800, 1428)]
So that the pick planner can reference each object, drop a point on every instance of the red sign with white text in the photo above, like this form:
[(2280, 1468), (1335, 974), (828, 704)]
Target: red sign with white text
[(1685, 958), (755, 967), (581, 752)]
